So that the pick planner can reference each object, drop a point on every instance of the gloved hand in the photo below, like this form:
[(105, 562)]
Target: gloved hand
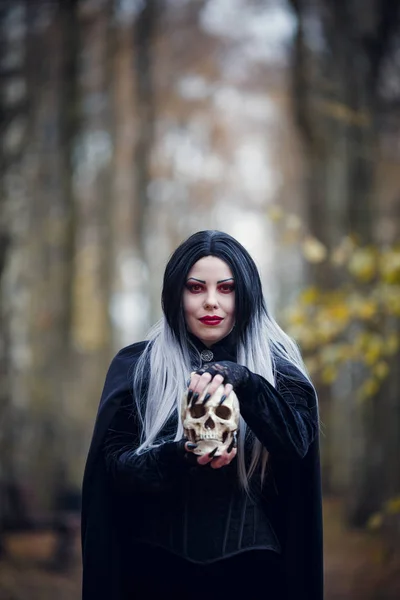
[(231, 372), (223, 372)]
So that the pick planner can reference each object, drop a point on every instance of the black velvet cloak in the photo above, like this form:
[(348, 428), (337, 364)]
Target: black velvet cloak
[(299, 497)]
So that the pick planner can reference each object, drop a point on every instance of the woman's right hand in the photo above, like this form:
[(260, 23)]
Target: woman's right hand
[(199, 381)]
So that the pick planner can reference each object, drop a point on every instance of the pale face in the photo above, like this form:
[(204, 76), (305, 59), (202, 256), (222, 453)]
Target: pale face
[(209, 300)]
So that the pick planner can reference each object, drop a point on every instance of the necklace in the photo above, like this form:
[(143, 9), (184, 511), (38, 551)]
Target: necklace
[(206, 355)]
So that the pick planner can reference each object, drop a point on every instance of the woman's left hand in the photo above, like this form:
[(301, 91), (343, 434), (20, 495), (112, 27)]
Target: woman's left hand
[(223, 372)]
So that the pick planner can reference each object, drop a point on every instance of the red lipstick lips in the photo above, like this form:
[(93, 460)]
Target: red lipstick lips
[(211, 320)]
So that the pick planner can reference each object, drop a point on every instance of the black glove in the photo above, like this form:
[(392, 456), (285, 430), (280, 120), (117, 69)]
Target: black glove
[(231, 372)]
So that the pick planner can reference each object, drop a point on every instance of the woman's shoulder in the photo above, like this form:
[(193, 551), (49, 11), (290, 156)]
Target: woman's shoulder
[(125, 360), (130, 352), (118, 383), (287, 371)]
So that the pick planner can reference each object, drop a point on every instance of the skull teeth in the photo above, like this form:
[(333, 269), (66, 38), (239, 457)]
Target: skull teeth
[(207, 436)]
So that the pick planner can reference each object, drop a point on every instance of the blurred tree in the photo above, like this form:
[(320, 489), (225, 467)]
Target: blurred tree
[(13, 103), (143, 48), (55, 207), (92, 161), (340, 71), (46, 252), (340, 50)]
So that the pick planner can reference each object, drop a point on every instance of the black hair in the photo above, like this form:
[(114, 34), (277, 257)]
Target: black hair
[(249, 301)]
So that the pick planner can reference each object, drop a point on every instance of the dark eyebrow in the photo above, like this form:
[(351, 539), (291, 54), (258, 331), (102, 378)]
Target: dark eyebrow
[(220, 281)]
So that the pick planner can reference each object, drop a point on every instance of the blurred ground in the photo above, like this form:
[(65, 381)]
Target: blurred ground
[(28, 574), (358, 566)]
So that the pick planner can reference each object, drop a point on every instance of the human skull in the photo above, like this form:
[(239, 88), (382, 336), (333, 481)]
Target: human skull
[(211, 425)]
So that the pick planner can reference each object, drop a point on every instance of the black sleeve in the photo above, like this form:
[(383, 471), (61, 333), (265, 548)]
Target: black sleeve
[(285, 418), (154, 470), (118, 430)]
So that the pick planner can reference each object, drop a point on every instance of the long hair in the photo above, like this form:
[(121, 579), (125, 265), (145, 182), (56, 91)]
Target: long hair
[(163, 369)]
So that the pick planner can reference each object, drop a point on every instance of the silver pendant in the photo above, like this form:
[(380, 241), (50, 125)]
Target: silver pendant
[(206, 355)]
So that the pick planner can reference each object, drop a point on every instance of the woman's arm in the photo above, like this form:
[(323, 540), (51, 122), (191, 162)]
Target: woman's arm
[(285, 418), (154, 470)]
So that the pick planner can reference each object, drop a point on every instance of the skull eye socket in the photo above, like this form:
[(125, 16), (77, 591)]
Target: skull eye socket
[(223, 412), (197, 411)]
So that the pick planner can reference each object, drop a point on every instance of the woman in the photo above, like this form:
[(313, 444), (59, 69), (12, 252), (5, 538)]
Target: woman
[(158, 519)]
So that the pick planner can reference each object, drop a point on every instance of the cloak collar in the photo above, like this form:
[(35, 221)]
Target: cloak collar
[(225, 349)]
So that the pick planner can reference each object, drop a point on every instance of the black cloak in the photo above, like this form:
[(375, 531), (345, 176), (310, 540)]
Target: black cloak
[(297, 481)]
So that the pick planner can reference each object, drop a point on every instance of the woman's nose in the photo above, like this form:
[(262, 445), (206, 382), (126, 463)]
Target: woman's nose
[(211, 299)]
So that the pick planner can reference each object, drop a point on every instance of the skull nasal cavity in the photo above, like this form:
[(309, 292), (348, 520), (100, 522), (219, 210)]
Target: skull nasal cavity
[(209, 424)]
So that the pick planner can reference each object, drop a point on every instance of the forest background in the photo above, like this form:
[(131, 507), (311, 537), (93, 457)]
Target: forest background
[(127, 125)]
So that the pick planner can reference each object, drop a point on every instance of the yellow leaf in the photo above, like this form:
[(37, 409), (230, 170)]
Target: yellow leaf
[(391, 344), (296, 316), (314, 251), (275, 213), (327, 330), (340, 312), (392, 506), (390, 266), (290, 237), (367, 310), (342, 253), (293, 222), (309, 295), (329, 375), (375, 521), (361, 341), (373, 349), (312, 365), (363, 264), (391, 300), (369, 388), (381, 370)]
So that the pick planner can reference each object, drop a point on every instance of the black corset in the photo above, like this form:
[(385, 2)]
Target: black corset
[(207, 518)]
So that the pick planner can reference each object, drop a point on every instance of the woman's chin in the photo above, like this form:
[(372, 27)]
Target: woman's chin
[(211, 337)]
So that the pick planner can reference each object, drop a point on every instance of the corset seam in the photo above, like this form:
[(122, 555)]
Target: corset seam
[(242, 520), (185, 525), (228, 520)]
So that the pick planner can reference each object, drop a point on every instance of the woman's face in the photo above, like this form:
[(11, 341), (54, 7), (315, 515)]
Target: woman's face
[(209, 300)]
